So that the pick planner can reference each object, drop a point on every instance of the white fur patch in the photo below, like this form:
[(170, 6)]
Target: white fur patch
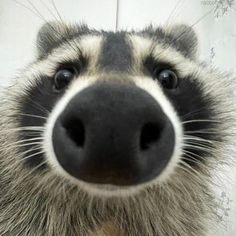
[(142, 47)]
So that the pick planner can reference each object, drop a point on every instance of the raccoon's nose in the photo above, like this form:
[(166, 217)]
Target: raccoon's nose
[(113, 134)]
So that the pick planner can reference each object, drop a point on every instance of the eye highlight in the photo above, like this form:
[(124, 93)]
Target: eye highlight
[(167, 78), (63, 77)]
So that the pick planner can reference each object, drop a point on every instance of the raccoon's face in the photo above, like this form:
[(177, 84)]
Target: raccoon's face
[(118, 111)]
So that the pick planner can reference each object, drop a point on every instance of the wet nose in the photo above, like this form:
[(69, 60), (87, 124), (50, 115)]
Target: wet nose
[(113, 134)]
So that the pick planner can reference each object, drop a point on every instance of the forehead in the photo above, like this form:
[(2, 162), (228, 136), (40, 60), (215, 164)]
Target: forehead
[(120, 51), (114, 51), (105, 51), (126, 52)]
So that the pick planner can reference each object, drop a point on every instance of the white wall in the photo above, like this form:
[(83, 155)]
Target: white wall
[(19, 26)]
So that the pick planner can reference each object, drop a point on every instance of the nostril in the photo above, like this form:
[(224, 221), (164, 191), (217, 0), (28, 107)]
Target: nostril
[(76, 131), (150, 133)]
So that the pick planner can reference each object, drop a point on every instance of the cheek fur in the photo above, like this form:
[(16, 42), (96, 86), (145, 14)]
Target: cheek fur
[(35, 107), (198, 117)]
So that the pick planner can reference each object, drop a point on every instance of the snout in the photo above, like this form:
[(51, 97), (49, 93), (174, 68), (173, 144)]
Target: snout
[(112, 133)]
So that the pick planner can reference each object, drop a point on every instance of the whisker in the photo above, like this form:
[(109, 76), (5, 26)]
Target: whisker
[(26, 7), (198, 160), (197, 144), (35, 9), (56, 9), (24, 141), (197, 147), (28, 133), (192, 162), (192, 154), (198, 139), (28, 144), (190, 158), (195, 23), (200, 120), (31, 115), (48, 9), (37, 106), (200, 145), (186, 167), (70, 43), (24, 128), (32, 149), (197, 163), (33, 103), (211, 131), (173, 11), (188, 30), (198, 111), (32, 155), (202, 142), (34, 169)]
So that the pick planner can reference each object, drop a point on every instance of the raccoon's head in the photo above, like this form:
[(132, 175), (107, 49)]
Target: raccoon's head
[(118, 112)]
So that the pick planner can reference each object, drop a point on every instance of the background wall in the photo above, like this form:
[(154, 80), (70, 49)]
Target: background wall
[(214, 21), (20, 21)]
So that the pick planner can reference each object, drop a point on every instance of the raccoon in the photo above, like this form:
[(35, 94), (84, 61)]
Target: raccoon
[(114, 133)]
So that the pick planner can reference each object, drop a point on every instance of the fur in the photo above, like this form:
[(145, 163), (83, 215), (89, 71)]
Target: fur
[(36, 199)]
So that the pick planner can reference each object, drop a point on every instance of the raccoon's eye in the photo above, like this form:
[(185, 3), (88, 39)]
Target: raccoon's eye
[(167, 78), (63, 77)]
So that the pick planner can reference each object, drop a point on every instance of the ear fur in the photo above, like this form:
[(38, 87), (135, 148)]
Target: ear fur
[(52, 34), (184, 38)]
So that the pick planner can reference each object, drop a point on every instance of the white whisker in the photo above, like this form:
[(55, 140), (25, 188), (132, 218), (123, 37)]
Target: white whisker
[(31, 115), (24, 128), (31, 155), (197, 147), (200, 120)]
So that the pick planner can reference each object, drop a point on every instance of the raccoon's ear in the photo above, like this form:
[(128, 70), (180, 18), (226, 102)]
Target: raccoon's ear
[(49, 36), (184, 38), (52, 34)]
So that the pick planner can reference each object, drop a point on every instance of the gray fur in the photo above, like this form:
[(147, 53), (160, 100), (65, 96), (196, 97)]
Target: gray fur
[(116, 54), (52, 34), (42, 203), (181, 37), (185, 40)]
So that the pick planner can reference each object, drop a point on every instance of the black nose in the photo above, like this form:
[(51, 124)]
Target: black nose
[(113, 134)]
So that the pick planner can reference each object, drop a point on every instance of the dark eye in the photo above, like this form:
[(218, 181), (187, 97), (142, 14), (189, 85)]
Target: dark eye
[(167, 78), (63, 77)]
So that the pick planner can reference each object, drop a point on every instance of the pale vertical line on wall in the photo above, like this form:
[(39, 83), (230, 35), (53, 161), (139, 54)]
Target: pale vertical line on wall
[(117, 13)]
